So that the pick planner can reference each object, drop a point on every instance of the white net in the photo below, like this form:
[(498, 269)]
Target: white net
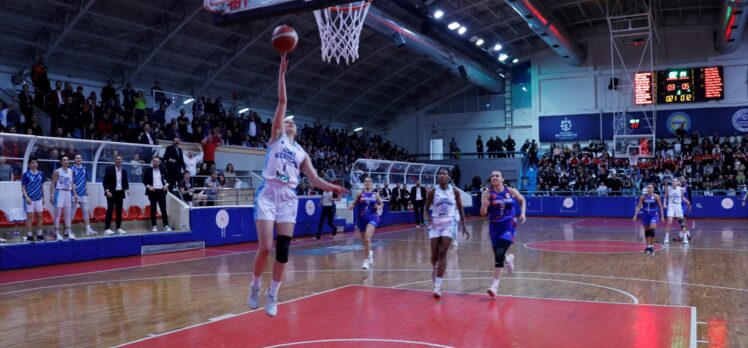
[(340, 30)]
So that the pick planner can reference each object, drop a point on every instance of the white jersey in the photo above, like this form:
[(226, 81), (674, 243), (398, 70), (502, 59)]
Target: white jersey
[(64, 179), (445, 204), (675, 195), (283, 162)]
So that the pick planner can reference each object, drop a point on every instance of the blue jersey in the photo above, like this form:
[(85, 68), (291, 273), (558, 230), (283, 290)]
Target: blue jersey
[(366, 203), (501, 207), (79, 178), (33, 183), (650, 204)]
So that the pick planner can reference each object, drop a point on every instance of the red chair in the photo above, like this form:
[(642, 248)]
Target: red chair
[(47, 218), (4, 220), (136, 213), (126, 216), (78, 217), (147, 213), (99, 214)]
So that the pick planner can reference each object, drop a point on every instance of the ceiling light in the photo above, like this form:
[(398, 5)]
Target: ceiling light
[(503, 57), (497, 47), (358, 129), (462, 30), (502, 75), (515, 60), (243, 110), (524, 89), (438, 14), (479, 42), (188, 101), (453, 25)]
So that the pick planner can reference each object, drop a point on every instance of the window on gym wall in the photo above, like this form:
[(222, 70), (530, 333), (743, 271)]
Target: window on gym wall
[(436, 149)]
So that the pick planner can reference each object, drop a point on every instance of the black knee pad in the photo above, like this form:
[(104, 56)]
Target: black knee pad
[(282, 246), (499, 255), (649, 233), (682, 222)]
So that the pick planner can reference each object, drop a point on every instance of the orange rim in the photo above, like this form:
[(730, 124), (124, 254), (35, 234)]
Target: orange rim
[(349, 8)]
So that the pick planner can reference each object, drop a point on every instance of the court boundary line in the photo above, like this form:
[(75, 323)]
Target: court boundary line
[(222, 319), (346, 235), (359, 340), (633, 298), (526, 245), (694, 339)]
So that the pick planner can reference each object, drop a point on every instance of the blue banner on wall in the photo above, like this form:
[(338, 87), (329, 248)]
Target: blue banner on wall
[(585, 127)]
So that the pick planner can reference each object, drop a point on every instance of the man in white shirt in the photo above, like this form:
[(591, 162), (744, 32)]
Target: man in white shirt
[(328, 213), (191, 159), (156, 187)]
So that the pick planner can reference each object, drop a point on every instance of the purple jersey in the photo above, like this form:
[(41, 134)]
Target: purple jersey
[(501, 207), (650, 204), (366, 203)]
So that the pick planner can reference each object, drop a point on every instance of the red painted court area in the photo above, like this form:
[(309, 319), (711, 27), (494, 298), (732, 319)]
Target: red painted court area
[(355, 316), (590, 246)]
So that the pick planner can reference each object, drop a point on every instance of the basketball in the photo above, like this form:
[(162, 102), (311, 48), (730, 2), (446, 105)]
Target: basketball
[(285, 38)]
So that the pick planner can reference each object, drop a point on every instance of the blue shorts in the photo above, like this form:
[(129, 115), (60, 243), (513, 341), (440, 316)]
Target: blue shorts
[(685, 209), (650, 218), (368, 219), (502, 230)]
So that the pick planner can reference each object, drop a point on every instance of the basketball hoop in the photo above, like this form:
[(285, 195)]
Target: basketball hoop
[(340, 30)]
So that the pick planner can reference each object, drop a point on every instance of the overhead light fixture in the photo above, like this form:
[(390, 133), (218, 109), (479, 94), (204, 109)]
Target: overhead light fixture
[(479, 42), (243, 110), (503, 57), (438, 14), (453, 25), (497, 47), (358, 129), (524, 89), (462, 30), (290, 117), (502, 75), (188, 101), (515, 60)]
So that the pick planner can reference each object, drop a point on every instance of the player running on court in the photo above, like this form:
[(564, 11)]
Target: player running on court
[(368, 203), (275, 201), (675, 196), (499, 203), (447, 207), (650, 206)]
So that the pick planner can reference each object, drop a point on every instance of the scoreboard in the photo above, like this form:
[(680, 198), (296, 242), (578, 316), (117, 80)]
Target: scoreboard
[(684, 85)]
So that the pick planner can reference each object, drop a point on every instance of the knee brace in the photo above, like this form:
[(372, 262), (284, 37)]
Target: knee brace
[(682, 222), (282, 246), (499, 255), (649, 233)]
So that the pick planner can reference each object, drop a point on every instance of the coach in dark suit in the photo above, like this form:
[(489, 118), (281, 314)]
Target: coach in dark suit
[(174, 160), (116, 187), (156, 187), (418, 197), (26, 103)]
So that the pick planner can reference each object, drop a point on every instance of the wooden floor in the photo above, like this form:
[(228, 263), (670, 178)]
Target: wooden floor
[(573, 259)]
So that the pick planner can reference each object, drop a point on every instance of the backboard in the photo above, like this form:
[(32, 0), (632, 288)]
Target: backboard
[(229, 12)]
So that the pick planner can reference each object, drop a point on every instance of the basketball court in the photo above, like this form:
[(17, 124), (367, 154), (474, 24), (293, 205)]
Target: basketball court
[(683, 296)]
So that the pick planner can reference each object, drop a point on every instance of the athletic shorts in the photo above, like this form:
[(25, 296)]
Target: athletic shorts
[(83, 199), (675, 210), (650, 218), (63, 199), (276, 202), (443, 227), (35, 206), (368, 219), (504, 230)]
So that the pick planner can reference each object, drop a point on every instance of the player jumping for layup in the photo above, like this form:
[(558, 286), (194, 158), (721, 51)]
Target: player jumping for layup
[(651, 208), (499, 202), (443, 228), (276, 202)]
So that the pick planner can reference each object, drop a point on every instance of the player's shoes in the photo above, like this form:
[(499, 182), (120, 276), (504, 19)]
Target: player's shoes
[(253, 299), (492, 291), (437, 293), (271, 305), (366, 264), (510, 263)]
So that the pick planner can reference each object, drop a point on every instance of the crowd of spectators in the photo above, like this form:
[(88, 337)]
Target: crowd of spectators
[(713, 164)]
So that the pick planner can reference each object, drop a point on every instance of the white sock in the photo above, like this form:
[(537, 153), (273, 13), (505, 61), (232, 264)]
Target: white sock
[(438, 282), (680, 234), (38, 233), (88, 227), (495, 284), (256, 282), (274, 287)]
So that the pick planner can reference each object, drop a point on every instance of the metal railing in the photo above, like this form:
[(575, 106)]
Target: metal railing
[(471, 155)]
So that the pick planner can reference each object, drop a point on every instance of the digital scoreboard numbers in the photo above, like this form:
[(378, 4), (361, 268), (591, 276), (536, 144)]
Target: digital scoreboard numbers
[(688, 85)]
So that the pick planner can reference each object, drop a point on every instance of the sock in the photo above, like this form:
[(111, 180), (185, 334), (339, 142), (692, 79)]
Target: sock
[(256, 282), (274, 287), (688, 233), (88, 227), (38, 233), (29, 234), (667, 235), (438, 282), (495, 284), (680, 234)]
